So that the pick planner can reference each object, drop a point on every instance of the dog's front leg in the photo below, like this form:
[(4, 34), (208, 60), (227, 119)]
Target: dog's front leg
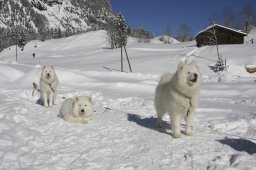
[(45, 99), (51, 98), (55, 99), (175, 120), (189, 120), (54, 86), (190, 116)]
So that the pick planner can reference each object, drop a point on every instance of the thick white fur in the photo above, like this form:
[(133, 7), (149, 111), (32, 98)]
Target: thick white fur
[(178, 95), (77, 110), (48, 86)]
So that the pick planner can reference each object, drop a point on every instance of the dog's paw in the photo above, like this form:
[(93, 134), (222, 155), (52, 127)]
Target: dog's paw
[(176, 135), (189, 133), (84, 121)]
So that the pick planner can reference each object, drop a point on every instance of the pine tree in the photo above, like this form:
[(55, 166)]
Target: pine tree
[(219, 65), (121, 31), (22, 40), (68, 32), (57, 33)]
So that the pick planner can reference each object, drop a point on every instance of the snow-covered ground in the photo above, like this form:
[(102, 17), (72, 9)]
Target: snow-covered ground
[(122, 133)]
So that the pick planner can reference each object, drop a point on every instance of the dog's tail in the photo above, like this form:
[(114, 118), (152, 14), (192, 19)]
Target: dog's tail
[(165, 78)]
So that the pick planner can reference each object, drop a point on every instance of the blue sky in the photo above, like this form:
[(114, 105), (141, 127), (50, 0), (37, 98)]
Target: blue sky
[(155, 15)]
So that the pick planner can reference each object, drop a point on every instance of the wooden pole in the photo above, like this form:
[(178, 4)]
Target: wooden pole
[(122, 67), (16, 46), (16, 29), (128, 59)]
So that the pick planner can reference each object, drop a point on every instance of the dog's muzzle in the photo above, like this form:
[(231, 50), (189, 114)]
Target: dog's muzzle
[(48, 75), (82, 112), (195, 78)]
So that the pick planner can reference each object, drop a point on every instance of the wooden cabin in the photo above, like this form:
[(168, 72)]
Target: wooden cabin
[(224, 35)]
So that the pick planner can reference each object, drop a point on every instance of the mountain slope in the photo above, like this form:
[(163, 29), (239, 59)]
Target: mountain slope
[(40, 15)]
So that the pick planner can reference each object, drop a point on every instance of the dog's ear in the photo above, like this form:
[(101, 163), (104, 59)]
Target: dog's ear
[(52, 67), (193, 62), (76, 98), (90, 99), (181, 65)]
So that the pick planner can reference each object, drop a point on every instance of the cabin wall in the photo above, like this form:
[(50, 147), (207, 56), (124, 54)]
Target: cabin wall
[(223, 37)]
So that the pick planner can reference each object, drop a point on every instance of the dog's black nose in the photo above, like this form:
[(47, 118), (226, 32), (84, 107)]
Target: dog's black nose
[(195, 76), (82, 110), (48, 74)]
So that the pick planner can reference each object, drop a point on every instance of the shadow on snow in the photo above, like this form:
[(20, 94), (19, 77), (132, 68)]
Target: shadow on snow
[(240, 145), (148, 122)]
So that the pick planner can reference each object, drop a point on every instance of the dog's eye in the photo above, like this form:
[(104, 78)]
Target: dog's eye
[(80, 105), (188, 72), (85, 105)]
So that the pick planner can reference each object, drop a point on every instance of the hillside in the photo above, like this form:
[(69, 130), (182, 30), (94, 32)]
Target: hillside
[(40, 15), (165, 39), (25, 20), (122, 133)]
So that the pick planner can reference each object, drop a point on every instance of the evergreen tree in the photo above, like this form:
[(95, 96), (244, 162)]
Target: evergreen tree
[(142, 35), (68, 32), (219, 65), (121, 31), (22, 40), (111, 32), (57, 33)]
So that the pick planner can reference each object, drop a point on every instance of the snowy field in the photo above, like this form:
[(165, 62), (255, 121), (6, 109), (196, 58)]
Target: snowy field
[(122, 133)]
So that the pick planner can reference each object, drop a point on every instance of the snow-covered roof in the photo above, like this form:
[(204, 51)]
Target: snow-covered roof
[(217, 25)]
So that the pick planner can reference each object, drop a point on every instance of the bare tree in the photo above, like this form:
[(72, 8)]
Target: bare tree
[(220, 64), (213, 38), (168, 33), (248, 14), (229, 18), (184, 33), (214, 19)]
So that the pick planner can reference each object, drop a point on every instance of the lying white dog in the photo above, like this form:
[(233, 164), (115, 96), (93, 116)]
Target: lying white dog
[(48, 86), (77, 110), (178, 95)]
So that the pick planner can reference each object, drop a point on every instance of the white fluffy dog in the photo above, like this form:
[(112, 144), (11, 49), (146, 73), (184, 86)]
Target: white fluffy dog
[(77, 110), (48, 86), (178, 95)]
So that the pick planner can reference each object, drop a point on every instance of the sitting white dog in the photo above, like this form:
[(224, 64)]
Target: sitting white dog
[(77, 110), (48, 86)]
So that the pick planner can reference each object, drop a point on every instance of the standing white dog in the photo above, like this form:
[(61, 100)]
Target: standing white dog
[(178, 95), (77, 110), (48, 86)]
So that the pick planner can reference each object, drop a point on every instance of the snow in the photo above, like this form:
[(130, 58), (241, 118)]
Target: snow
[(165, 38), (9, 74), (122, 133)]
